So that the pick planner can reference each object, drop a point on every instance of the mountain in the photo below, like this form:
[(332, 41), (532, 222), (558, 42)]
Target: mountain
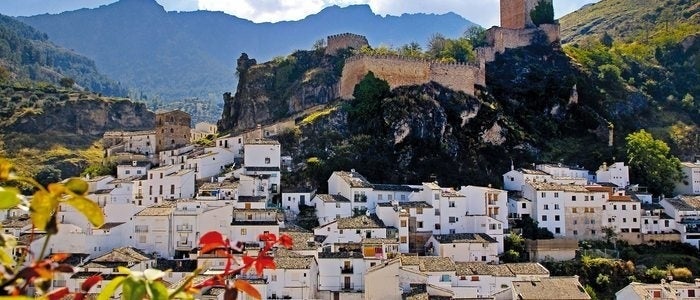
[(177, 55), (27, 54)]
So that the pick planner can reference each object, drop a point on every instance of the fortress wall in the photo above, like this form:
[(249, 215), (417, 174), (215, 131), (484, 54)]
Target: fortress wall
[(505, 38), (459, 77), (344, 40), (397, 71), (513, 14)]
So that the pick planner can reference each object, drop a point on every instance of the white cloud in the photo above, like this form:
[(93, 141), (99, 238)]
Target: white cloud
[(483, 12)]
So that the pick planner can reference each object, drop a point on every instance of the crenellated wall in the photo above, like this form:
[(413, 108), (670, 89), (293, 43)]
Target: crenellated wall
[(343, 41), (402, 71)]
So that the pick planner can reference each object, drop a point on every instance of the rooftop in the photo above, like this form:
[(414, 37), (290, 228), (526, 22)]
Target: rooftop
[(124, 256), (685, 203), (395, 188), (344, 254), (561, 288), (163, 209), (302, 240), (251, 198), (429, 263), (532, 172), (477, 268), (285, 259), (367, 241), (354, 179), (213, 186), (332, 198), (17, 222), (408, 204), (450, 193), (464, 238), (261, 142), (691, 164), (262, 169), (548, 186), (362, 221)]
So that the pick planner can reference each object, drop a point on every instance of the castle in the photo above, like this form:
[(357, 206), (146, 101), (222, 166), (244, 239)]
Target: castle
[(516, 30)]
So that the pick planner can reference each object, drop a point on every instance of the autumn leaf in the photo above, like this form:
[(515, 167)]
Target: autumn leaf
[(42, 207), (89, 209), (267, 237), (212, 240), (58, 294), (246, 287), (9, 197), (286, 241), (59, 257), (77, 186), (5, 170), (90, 282)]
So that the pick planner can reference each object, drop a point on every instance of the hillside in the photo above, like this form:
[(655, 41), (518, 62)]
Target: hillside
[(44, 130), (28, 55), (177, 55), (642, 58)]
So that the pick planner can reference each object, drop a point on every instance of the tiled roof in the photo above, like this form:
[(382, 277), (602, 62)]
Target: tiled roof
[(253, 223), (394, 188), (262, 169), (285, 259), (110, 225), (685, 203), (354, 179), (212, 186), (251, 198), (527, 269), (429, 263), (261, 142), (690, 165), (302, 240), (332, 198), (344, 254), (477, 268), (26, 238), (407, 204), (163, 209), (17, 222), (379, 241), (124, 256), (464, 238), (450, 193), (561, 288), (532, 172), (361, 221), (548, 186)]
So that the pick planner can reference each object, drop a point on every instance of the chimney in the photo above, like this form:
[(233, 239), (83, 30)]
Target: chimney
[(133, 163)]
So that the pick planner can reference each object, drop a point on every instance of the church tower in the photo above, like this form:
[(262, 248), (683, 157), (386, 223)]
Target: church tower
[(515, 14)]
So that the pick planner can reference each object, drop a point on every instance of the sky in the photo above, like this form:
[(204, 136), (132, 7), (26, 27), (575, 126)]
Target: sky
[(482, 12)]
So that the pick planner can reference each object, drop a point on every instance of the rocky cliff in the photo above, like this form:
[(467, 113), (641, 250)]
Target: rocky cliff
[(280, 88)]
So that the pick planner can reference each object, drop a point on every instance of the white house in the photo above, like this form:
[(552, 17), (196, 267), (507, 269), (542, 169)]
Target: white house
[(331, 207), (352, 229), (685, 211), (168, 182), (293, 198), (382, 282), (515, 179), (153, 227), (655, 221), (135, 168), (617, 174), (262, 157), (248, 224), (295, 276), (464, 247), (664, 290), (519, 207), (341, 271), (353, 186), (690, 184), (202, 130), (563, 171)]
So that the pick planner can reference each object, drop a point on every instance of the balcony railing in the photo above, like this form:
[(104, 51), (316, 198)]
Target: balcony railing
[(186, 244), (184, 228), (346, 270)]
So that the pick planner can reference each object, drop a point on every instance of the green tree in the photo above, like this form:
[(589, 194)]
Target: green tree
[(606, 40), (319, 44), (591, 292), (66, 82), (48, 174), (412, 49), (651, 162), (543, 13), (476, 35), (365, 112)]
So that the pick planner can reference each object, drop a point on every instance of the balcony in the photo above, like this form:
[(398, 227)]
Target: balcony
[(185, 244), (347, 286), (346, 270), (183, 228), (141, 229)]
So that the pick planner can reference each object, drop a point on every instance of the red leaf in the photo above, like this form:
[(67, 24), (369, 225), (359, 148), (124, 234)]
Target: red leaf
[(90, 282), (58, 293), (79, 296), (59, 257), (247, 260), (286, 241), (267, 237), (230, 294), (64, 268), (212, 237), (246, 287), (267, 262)]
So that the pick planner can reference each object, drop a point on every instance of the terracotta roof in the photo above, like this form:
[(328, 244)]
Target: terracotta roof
[(394, 188), (477, 268), (532, 172), (464, 238), (285, 259), (548, 186), (344, 254), (332, 198), (124, 256), (379, 241), (361, 221), (560, 288), (685, 203), (261, 142), (527, 269), (212, 186), (450, 193), (163, 209), (429, 263), (408, 204), (17, 222), (302, 240), (354, 179)]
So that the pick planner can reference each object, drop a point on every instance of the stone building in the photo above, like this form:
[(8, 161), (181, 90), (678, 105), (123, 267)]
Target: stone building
[(515, 14), (343, 41), (172, 129)]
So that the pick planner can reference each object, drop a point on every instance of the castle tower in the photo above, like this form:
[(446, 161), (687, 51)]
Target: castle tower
[(515, 14), (172, 129), (344, 41)]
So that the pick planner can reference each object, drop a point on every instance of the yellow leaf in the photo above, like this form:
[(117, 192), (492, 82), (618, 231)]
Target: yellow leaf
[(42, 207), (9, 198), (89, 209), (5, 170), (123, 270), (56, 188), (77, 185), (6, 259)]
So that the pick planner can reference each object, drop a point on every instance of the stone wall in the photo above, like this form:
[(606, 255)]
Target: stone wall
[(343, 41), (172, 130), (515, 14), (402, 71), (501, 38)]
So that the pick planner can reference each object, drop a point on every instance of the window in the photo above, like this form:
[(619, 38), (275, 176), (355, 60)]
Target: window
[(403, 197), (546, 207), (436, 196), (483, 258), (127, 172), (524, 205), (379, 197), (389, 197), (556, 218), (556, 206), (445, 278), (267, 160), (575, 222), (244, 231), (403, 240), (624, 207), (437, 226), (419, 210), (475, 278), (585, 198), (634, 207), (543, 194), (452, 219), (575, 232), (634, 220), (273, 277), (420, 224), (691, 293), (160, 190), (665, 223), (574, 210), (557, 230), (573, 198), (337, 205), (451, 204), (172, 189), (403, 223), (556, 195), (544, 218), (437, 211)]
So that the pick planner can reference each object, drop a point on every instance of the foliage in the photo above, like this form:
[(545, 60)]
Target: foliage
[(650, 160), (476, 36), (311, 118), (366, 108), (531, 229), (543, 13), (100, 169), (514, 246), (18, 279)]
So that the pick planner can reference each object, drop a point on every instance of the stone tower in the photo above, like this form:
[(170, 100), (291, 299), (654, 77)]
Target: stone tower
[(172, 129), (515, 14)]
